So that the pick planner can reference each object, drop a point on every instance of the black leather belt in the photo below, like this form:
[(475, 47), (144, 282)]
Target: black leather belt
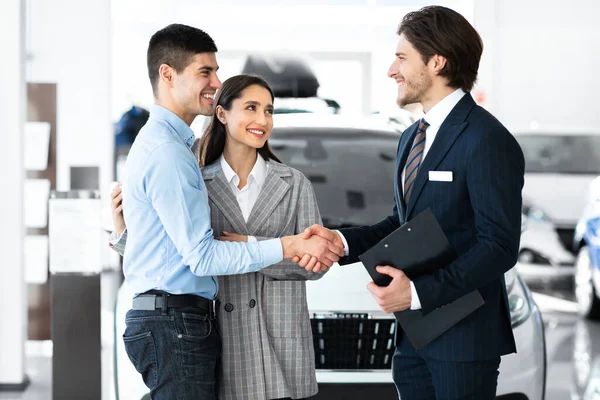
[(155, 299)]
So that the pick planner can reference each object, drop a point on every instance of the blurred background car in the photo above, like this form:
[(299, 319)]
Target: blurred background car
[(294, 83), (559, 166), (587, 266), (586, 362), (303, 105), (543, 257), (398, 117)]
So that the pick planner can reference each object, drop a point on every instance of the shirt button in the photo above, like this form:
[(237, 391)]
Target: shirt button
[(252, 303), (229, 307)]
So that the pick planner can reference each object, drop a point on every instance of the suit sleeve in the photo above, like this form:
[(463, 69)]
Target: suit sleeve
[(307, 215), (495, 175), (362, 238)]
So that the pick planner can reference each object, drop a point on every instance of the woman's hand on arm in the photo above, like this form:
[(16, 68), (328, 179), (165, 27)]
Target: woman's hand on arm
[(116, 206), (232, 237)]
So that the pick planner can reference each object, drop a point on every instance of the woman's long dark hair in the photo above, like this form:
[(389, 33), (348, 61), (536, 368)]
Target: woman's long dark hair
[(212, 142)]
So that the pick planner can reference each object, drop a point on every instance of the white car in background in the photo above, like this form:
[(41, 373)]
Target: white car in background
[(559, 166), (543, 257), (353, 338), (399, 118)]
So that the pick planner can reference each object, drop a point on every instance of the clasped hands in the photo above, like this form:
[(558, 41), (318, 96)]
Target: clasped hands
[(313, 252), (318, 248)]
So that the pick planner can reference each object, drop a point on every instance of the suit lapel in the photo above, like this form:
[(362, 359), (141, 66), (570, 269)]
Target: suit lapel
[(223, 198), (271, 194), (450, 130), (403, 149)]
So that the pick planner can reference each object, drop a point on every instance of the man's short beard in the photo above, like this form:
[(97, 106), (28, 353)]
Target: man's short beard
[(404, 102), (422, 84)]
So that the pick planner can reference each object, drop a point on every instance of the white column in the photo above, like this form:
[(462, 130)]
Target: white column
[(70, 45), (13, 300)]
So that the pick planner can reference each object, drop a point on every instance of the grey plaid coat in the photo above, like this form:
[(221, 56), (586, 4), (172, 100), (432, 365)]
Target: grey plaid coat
[(263, 316)]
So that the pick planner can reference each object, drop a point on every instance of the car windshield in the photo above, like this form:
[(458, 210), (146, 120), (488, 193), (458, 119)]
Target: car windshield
[(351, 170), (565, 154)]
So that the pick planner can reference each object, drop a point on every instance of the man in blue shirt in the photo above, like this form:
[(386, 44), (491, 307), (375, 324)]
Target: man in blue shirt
[(172, 257)]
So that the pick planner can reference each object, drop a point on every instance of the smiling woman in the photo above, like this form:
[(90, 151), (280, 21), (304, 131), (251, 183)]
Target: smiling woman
[(243, 117)]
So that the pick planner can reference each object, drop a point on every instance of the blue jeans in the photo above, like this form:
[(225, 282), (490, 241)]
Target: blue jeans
[(176, 352)]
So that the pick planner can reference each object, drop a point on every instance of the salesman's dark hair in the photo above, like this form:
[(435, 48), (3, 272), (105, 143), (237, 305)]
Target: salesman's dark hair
[(176, 45), (440, 30), (212, 142)]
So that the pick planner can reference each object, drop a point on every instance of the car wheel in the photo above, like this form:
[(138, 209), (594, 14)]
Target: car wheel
[(588, 302)]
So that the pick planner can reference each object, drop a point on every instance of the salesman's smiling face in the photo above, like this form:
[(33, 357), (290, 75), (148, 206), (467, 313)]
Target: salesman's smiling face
[(410, 73)]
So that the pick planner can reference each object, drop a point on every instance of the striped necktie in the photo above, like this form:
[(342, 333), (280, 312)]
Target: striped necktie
[(414, 160)]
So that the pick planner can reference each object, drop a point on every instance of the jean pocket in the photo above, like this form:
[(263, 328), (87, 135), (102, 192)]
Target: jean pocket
[(199, 347), (141, 350), (196, 326)]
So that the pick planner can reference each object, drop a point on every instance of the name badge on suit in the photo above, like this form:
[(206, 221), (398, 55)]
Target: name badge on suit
[(440, 176)]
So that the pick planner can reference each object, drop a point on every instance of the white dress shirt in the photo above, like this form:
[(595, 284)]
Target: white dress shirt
[(246, 196), (435, 117)]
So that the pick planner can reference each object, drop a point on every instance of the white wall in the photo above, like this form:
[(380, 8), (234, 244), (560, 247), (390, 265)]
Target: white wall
[(13, 300), (541, 62), (69, 44)]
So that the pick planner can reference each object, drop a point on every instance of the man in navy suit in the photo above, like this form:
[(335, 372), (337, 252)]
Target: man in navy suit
[(464, 165)]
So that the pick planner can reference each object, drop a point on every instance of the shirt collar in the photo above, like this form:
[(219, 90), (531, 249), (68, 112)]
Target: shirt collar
[(438, 113), (161, 113), (258, 173)]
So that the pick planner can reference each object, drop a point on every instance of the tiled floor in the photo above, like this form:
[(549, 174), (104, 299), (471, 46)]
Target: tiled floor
[(39, 370)]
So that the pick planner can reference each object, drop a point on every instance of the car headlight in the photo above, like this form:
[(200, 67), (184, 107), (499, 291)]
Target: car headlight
[(518, 299), (527, 256), (535, 213)]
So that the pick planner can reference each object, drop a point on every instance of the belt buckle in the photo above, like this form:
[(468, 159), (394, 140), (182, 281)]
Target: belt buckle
[(145, 302)]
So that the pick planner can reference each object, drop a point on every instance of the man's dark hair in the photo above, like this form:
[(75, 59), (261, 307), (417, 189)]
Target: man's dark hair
[(440, 30), (175, 46)]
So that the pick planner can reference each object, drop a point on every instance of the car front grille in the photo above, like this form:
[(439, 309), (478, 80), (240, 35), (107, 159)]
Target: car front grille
[(346, 341)]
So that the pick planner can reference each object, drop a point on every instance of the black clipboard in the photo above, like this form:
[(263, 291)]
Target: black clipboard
[(419, 247)]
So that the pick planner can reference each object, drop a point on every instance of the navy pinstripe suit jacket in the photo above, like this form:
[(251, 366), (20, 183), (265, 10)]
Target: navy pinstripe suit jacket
[(480, 212)]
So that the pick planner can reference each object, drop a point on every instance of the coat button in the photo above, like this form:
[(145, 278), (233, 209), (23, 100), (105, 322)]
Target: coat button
[(229, 307), (252, 303)]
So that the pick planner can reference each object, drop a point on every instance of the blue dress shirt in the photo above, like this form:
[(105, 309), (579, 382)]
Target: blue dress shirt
[(170, 244)]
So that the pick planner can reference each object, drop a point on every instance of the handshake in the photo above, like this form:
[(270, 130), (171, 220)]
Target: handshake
[(316, 249)]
